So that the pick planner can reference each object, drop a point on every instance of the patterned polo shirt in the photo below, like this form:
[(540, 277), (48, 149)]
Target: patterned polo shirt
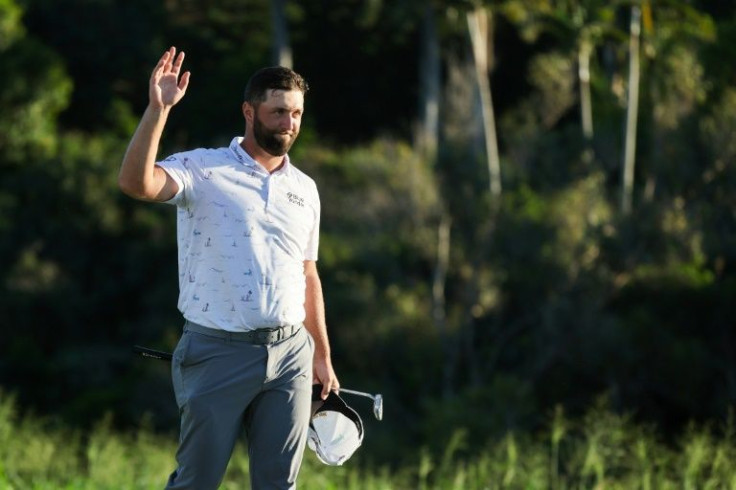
[(243, 235)]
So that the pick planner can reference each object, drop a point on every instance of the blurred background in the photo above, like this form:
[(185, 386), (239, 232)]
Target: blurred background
[(527, 204)]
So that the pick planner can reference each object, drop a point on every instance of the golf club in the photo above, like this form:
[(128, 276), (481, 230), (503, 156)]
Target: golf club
[(166, 356), (152, 353), (377, 401)]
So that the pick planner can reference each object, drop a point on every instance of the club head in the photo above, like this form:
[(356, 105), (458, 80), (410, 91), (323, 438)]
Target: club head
[(378, 406), (377, 401)]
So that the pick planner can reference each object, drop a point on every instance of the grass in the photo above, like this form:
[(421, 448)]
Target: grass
[(601, 451)]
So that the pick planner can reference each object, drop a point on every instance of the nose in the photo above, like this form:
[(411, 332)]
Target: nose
[(291, 123), (285, 123)]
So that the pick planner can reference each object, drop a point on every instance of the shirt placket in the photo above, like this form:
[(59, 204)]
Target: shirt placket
[(270, 191)]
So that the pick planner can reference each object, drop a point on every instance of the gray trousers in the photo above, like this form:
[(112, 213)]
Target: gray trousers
[(222, 385)]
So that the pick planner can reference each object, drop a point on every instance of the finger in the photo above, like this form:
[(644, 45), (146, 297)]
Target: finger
[(168, 58), (178, 62), (184, 81), (331, 385), (321, 380), (159, 66)]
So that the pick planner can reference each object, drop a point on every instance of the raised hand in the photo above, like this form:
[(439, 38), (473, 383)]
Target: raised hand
[(165, 87)]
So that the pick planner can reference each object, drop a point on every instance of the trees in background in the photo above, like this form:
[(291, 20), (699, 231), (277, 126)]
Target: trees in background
[(581, 29), (632, 110), (465, 306)]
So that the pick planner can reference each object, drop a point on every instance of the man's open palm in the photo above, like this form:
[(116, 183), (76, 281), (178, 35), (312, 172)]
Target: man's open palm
[(166, 88)]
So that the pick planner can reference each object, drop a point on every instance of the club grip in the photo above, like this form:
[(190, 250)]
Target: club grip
[(151, 353)]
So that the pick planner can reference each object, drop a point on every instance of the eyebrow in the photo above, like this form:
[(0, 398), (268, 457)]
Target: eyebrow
[(286, 108)]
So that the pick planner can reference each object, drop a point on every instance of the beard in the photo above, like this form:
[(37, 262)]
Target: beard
[(273, 142)]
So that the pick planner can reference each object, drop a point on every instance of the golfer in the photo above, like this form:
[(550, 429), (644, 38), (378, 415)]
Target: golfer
[(254, 338)]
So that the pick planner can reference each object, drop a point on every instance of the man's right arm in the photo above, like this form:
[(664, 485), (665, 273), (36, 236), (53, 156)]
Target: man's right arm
[(140, 177)]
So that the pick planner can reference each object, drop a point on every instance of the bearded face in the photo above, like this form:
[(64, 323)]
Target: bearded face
[(276, 142), (276, 120)]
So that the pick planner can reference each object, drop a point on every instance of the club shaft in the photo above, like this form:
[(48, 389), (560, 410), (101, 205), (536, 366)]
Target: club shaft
[(359, 393)]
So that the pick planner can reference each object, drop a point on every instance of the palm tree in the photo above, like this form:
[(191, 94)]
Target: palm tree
[(632, 108), (430, 81), (480, 27), (678, 22), (581, 25), (675, 75), (477, 21), (427, 144)]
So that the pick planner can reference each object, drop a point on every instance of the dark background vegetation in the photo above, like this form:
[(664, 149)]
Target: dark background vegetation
[(552, 294)]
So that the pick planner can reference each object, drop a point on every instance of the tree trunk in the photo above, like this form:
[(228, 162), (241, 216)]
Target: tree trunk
[(479, 27), (427, 143), (281, 48), (427, 137), (466, 349), (627, 188), (586, 106), (439, 313)]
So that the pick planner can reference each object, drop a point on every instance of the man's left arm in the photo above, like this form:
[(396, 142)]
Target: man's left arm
[(315, 323)]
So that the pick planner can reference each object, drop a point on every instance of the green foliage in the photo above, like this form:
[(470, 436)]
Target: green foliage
[(31, 99), (375, 252), (599, 450), (10, 26)]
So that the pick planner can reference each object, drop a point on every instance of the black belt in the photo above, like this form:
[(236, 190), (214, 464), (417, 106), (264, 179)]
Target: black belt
[(260, 336)]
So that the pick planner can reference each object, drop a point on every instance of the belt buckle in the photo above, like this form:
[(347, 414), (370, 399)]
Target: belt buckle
[(282, 332), (270, 335)]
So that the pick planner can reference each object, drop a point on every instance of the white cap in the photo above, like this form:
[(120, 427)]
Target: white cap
[(335, 431)]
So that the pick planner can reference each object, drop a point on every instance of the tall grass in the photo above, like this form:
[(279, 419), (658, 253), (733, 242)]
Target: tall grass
[(600, 451)]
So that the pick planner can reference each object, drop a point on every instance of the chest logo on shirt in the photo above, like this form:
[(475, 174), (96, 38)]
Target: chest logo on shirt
[(294, 199)]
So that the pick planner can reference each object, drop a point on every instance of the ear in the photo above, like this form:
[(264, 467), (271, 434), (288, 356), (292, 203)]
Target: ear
[(248, 112)]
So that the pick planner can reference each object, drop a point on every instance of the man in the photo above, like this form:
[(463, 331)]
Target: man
[(254, 337)]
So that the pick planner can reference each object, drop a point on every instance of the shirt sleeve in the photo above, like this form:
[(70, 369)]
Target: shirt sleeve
[(178, 166)]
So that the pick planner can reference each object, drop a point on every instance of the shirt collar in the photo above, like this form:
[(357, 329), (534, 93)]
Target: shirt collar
[(242, 156)]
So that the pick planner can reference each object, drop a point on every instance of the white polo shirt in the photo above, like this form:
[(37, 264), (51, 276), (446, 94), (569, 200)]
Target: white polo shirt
[(243, 236)]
